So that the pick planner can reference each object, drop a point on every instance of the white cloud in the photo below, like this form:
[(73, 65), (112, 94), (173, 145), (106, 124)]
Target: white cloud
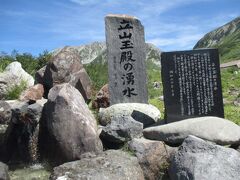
[(184, 41), (87, 2)]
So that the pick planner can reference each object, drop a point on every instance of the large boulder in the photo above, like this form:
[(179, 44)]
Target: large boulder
[(5, 112), (197, 159), (33, 93), (120, 130), (21, 138), (4, 172), (67, 128), (102, 98), (110, 165), (218, 130), (126, 109), (153, 157), (13, 75), (65, 67)]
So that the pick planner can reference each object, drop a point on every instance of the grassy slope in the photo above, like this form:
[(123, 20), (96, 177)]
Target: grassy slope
[(229, 47), (231, 91)]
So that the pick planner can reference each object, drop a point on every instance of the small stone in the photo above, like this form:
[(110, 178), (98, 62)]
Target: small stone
[(102, 98)]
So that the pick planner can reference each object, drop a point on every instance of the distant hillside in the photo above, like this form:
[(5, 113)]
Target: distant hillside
[(226, 38), (96, 52)]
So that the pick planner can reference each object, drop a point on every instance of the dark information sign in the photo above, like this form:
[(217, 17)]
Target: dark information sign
[(191, 84)]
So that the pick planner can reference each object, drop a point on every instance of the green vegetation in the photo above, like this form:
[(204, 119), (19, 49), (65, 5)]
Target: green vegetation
[(229, 47), (29, 63), (98, 74), (231, 91), (15, 91), (232, 113)]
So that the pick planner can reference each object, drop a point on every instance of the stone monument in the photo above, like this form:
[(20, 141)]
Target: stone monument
[(126, 54)]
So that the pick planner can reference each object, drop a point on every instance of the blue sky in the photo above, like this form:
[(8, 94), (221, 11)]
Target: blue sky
[(36, 25)]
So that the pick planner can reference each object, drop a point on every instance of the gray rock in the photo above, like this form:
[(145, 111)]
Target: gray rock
[(142, 118), (109, 165), (197, 159), (218, 130), (156, 85), (120, 130), (39, 75), (41, 102), (5, 112), (21, 138), (65, 67), (126, 54), (4, 172), (13, 75), (153, 157), (3, 129), (102, 98), (67, 128), (126, 109), (33, 93)]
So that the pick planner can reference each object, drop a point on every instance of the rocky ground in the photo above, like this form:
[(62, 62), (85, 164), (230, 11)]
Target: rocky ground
[(51, 133)]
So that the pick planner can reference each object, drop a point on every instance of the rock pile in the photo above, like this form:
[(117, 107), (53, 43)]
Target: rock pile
[(61, 128)]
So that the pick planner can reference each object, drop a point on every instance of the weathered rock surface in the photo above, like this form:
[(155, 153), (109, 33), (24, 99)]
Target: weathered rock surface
[(122, 87), (21, 138), (197, 159), (109, 165), (126, 109), (5, 112), (4, 172), (143, 118), (153, 157), (39, 75), (102, 98), (34, 93), (13, 75), (3, 129), (65, 67), (120, 130), (218, 130), (68, 128)]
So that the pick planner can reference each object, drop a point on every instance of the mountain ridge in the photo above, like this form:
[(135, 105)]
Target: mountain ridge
[(97, 52), (226, 38)]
